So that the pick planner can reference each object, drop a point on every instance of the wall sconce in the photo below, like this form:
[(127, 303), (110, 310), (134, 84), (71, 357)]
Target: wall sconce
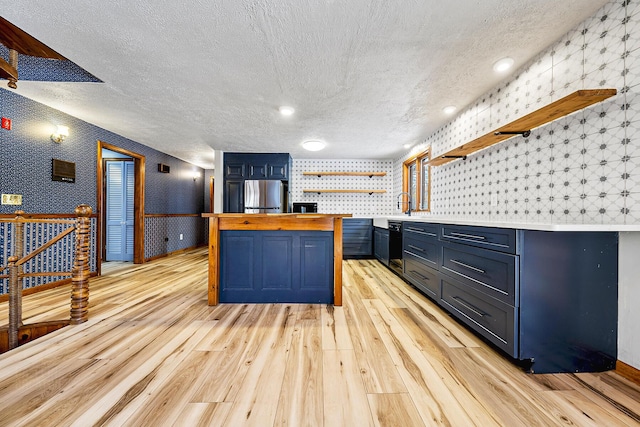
[(60, 134), (196, 175)]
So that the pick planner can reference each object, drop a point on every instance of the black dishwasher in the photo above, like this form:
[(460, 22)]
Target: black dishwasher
[(395, 246)]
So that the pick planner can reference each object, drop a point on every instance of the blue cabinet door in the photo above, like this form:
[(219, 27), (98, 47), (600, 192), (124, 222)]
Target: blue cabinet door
[(276, 266), (381, 245), (234, 196), (357, 238), (316, 263), (277, 263)]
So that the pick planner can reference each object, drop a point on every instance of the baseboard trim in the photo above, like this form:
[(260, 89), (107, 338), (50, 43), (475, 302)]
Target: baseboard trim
[(628, 371), (179, 251), (40, 288)]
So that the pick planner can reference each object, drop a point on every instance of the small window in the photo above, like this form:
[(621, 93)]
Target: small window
[(416, 180)]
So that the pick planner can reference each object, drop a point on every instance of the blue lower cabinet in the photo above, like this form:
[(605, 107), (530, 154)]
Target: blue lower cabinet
[(381, 245), (276, 266), (357, 238)]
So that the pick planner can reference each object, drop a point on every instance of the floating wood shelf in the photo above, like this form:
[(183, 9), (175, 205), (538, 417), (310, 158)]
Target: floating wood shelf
[(369, 174), (560, 108), (343, 191)]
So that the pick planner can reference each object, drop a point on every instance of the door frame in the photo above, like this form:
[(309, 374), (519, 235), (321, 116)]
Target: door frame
[(138, 202), (211, 191)]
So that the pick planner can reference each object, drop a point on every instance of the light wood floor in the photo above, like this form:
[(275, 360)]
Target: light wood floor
[(153, 354)]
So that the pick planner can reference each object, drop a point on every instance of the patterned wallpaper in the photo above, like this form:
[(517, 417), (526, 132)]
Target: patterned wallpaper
[(25, 168), (583, 168), (193, 229), (354, 203), (25, 163), (48, 70)]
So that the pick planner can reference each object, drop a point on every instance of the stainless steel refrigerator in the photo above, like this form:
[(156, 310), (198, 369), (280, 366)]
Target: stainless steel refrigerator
[(264, 196)]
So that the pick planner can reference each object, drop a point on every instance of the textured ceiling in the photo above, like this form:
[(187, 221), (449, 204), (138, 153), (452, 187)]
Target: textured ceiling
[(366, 76)]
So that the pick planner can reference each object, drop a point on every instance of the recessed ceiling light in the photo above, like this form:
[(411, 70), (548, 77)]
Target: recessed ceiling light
[(313, 145), (286, 110), (449, 110), (407, 146), (503, 65)]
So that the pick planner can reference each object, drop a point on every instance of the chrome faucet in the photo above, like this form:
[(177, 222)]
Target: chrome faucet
[(408, 211)]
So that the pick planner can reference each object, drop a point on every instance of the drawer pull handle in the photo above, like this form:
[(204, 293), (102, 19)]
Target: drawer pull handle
[(469, 307), (470, 267), (420, 275), (416, 248), (420, 230), (467, 236)]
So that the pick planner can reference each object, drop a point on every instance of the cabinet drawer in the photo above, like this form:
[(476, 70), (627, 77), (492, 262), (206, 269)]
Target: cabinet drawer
[(426, 249), (357, 232), (493, 319), (493, 273), (497, 239), (424, 278), (421, 228), (362, 248)]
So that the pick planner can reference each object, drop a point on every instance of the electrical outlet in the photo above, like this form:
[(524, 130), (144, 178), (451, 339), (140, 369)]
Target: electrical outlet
[(494, 199), (181, 236)]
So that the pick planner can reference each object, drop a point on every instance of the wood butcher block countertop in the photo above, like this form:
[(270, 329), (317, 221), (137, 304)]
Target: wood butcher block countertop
[(289, 221)]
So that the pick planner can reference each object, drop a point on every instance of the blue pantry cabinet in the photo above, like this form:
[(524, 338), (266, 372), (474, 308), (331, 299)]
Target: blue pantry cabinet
[(239, 167)]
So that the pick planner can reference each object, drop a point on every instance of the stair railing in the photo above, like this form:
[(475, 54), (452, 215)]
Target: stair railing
[(79, 274)]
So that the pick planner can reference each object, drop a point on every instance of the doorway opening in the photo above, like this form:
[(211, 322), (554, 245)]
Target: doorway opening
[(138, 202), (118, 201)]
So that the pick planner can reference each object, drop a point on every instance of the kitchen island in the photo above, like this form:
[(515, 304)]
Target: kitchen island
[(267, 258)]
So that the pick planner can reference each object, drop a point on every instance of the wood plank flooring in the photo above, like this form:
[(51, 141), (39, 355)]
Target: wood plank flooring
[(154, 354)]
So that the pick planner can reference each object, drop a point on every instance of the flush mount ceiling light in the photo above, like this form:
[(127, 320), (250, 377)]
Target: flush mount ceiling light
[(313, 145), (286, 110), (449, 110), (503, 65), (407, 146)]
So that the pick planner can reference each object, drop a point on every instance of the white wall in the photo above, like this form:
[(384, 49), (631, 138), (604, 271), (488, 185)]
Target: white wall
[(579, 169), (218, 185), (354, 203)]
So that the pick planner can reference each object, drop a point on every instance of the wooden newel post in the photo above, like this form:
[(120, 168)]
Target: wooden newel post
[(15, 281), (80, 272), (15, 306)]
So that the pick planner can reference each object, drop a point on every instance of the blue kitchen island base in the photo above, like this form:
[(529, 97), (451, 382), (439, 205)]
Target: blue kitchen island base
[(276, 266), (275, 258)]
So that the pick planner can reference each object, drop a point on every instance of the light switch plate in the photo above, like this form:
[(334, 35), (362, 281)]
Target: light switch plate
[(12, 199), (494, 199)]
